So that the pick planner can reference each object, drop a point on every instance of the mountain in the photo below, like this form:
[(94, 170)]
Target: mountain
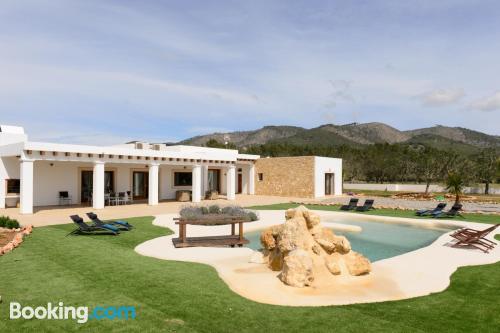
[(355, 134), (459, 134), (247, 138)]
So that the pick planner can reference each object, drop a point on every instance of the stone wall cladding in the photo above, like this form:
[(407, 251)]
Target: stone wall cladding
[(285, 176)]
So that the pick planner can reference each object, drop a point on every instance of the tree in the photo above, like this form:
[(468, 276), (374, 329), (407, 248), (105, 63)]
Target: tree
[(431, 165), (455, 185), (486, 168), (213, 143)]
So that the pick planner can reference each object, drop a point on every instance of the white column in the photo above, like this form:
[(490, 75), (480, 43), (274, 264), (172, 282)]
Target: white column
[(2, 191), (196, 187), (26, 199), (98, 186), (251, 179), (204, 171), (231, 182), (154, 170)]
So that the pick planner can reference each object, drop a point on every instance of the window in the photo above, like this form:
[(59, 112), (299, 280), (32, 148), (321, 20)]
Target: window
[(261, 177), (183, 179), (13, 186)]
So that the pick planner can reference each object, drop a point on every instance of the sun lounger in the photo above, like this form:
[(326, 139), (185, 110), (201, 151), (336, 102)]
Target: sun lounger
[(122, 225), (366, 206), (353, 203), (454, 211), (84, 228), (425, 212), (475, 238), (480, 233)]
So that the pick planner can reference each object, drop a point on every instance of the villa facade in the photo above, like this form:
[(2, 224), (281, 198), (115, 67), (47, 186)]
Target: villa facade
[(51, 174)]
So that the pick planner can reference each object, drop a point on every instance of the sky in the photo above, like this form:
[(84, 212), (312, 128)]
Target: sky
[(104, 72)]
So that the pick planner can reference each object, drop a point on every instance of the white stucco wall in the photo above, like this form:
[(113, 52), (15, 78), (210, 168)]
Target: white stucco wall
[(324, 165), (49, 180), (9, 169)]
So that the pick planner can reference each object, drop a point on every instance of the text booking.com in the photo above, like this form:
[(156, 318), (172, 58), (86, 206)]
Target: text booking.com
[(81, 314)]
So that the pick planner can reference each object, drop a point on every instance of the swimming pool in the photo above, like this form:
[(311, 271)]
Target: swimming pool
[(377, 240)]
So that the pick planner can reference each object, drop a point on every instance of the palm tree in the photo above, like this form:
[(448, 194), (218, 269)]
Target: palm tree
[(455, 184)]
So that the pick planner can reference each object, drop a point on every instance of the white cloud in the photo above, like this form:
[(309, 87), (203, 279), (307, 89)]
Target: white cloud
[(441, 97), (488, 103)]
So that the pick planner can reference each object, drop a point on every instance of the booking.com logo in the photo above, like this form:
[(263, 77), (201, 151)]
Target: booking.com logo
[(81, 314)]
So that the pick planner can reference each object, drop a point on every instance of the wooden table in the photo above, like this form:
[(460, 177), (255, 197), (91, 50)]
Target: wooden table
[(211, 241)]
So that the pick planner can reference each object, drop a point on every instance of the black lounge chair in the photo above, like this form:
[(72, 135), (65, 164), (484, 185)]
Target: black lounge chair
[(366, 206), (353, 203), (84, 228), (475, 238), (425, 212), (454, 211), (121, 225)]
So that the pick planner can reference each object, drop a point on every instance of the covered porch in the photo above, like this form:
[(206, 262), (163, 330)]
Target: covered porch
[(59, 178)]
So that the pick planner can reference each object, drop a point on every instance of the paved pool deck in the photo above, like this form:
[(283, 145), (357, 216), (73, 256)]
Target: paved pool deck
[(417, 273)]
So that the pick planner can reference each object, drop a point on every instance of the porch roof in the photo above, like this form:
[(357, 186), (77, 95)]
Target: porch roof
[(189, 153)]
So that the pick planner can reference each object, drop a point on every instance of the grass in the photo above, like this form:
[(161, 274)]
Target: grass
[(379, 193), (471, 217), (187, 297)]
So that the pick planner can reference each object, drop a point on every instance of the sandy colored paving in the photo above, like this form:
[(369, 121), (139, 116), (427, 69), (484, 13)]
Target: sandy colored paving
[(60, 214), (417, 273)]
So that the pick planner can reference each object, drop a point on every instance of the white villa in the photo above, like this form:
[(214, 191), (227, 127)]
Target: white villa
[(48, 174)]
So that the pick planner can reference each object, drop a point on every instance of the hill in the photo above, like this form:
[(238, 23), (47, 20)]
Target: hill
[(355, 134)]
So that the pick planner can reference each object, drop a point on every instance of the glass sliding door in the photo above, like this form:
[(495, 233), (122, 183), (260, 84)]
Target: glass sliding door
[(214, 180), (87, 184), (140, 180)]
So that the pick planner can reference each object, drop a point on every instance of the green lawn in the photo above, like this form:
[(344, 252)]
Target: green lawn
[(186, 297), (474, 197), (481, 218)]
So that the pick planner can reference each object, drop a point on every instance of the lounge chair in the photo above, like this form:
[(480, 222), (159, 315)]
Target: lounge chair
[(475, 238), (425, 212), (474, 232), (366, 206), (84, 228), (121, 225), (454, 211), (353, 203)]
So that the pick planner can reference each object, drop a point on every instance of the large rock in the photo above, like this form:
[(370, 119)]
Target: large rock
[(333, 265), (331, 243), (297, 269), (274, 260), (267, 239), (302, 248), (294, 235), (357, 264)]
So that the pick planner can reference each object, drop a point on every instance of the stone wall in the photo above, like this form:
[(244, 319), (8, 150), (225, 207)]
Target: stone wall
[(285, 176)]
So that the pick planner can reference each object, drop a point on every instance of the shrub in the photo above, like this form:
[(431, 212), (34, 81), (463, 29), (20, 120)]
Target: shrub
[(3, 221), (12, 224), (253, 216), (194, 212), (190, 212), (214, 209), (7, 222)]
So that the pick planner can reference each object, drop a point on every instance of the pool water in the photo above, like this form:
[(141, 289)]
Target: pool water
[(378, 240)]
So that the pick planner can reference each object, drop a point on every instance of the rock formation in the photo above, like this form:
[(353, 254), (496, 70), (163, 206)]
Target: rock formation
[(302, 249)]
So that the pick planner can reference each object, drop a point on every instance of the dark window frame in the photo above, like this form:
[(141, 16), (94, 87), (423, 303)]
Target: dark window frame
[(186, 180), (260, 176), (14, 188)]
